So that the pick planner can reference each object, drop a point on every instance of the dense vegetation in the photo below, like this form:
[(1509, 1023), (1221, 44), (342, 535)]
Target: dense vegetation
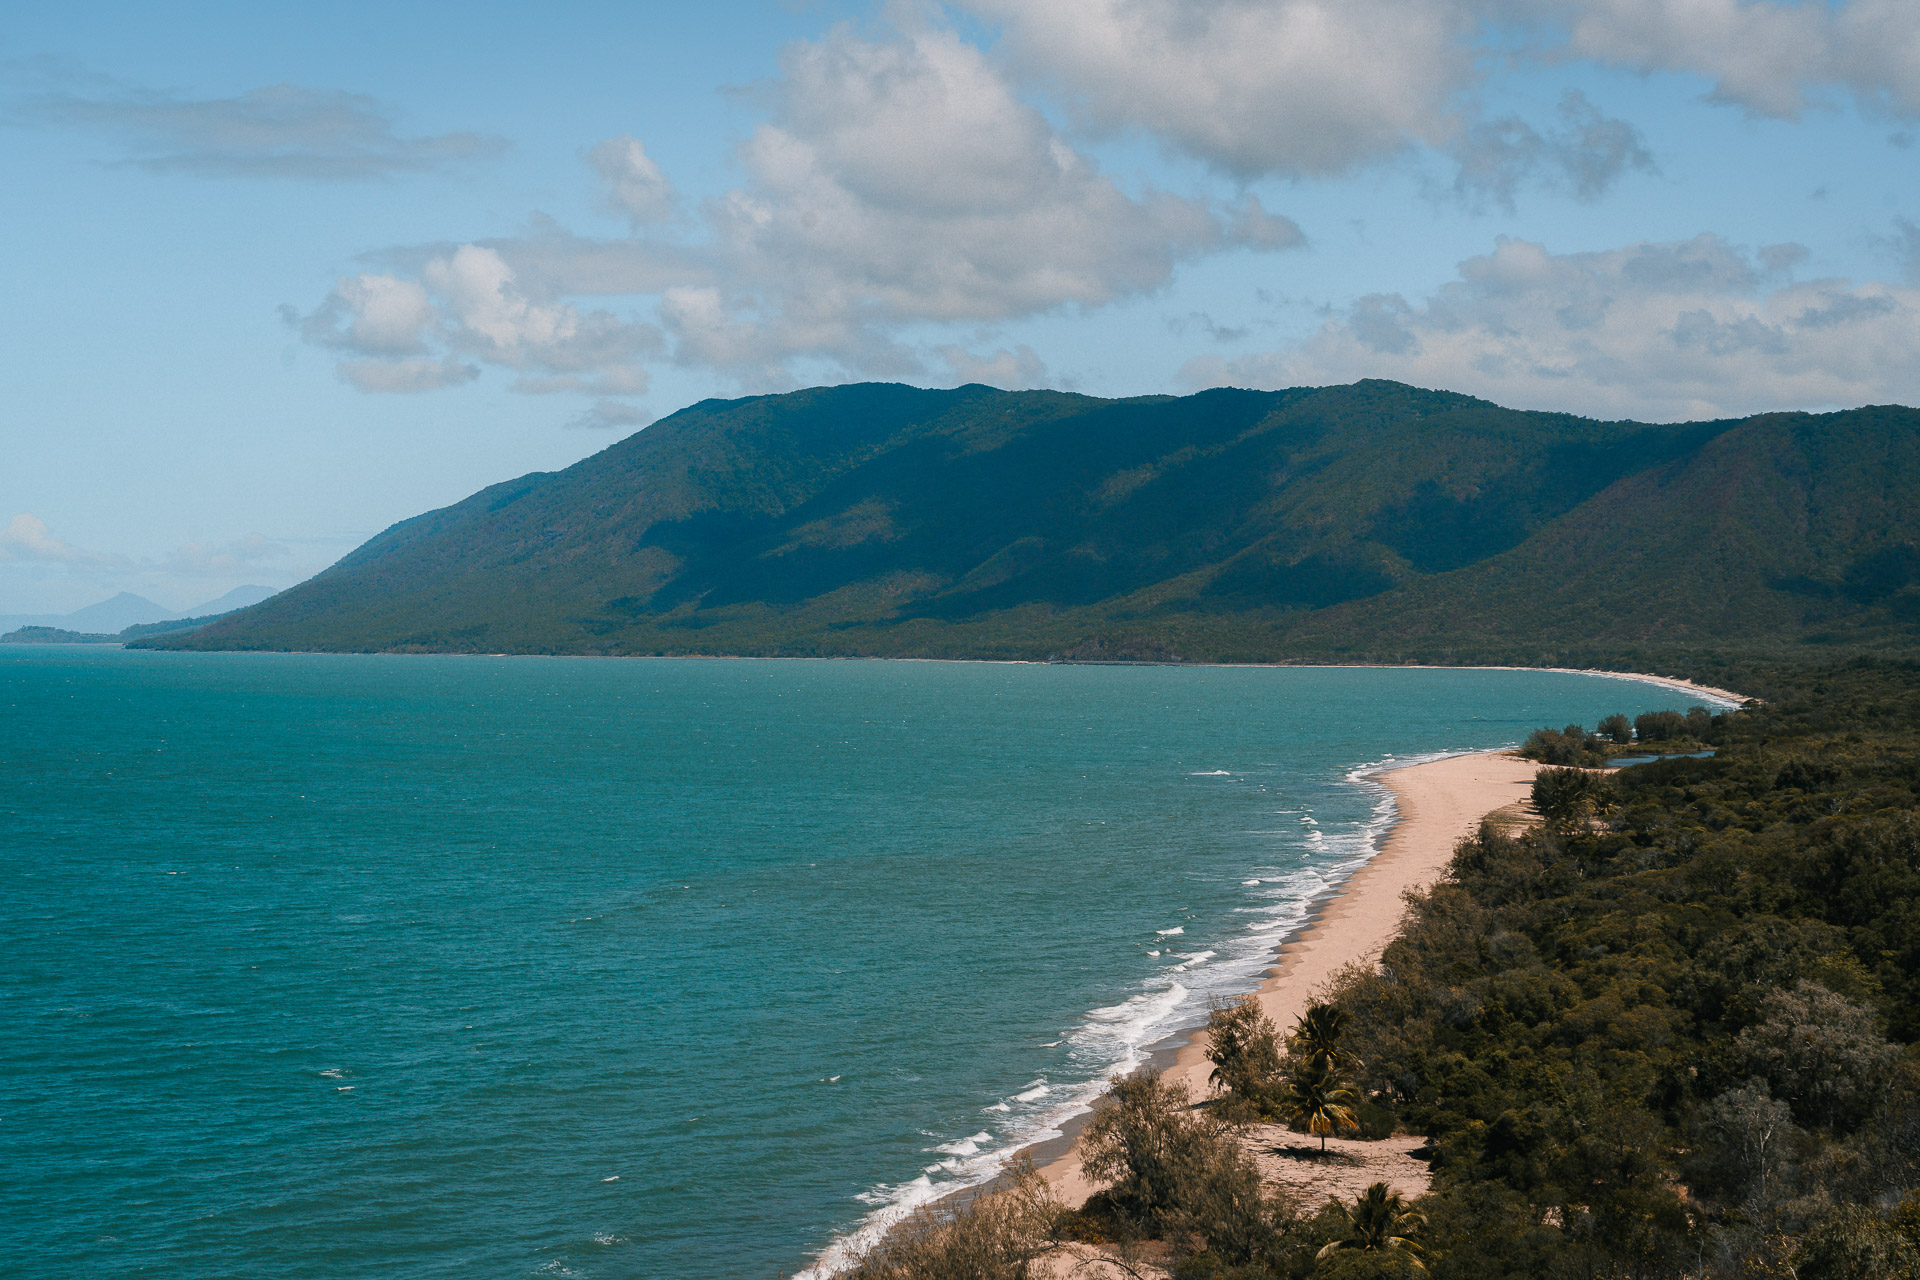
[(1671, 1034), (1371, 522)]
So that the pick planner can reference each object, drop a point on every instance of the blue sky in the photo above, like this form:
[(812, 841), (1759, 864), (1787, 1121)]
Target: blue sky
[(282, 275)]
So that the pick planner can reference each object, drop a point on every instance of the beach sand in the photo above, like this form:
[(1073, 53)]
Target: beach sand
[(1438, 803)]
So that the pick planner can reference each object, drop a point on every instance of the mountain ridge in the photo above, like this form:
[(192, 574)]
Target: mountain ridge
[(1371, 521)]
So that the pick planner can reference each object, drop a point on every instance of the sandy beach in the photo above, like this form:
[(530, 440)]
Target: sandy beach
[(1438, 802)]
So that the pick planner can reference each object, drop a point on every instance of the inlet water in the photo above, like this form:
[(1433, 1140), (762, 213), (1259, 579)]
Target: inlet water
[(328, 968)]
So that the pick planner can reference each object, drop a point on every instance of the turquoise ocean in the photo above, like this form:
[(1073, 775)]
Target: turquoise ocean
[(337, 967)]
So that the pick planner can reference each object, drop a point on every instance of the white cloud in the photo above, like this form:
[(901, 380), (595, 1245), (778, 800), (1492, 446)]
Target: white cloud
[(280, 131), (408, 375), (899, 182), (905, 181), (1772, 58), (1298, 87), (411, 335), (635, 185), (1008, 370), (372, 314), (27, 540), (1309, 88), (1690, 329)]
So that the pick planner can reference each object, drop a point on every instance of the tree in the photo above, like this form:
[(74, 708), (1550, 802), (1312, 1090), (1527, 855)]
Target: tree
[(1317, 1037), (999, 1236), (1380, 1221), (1753, 1130), (1854, 1243), (1317, 1101), (1616, 729), (1241, 1044), (1568, 798), (1568, 746), (1819, 1051), (1175, 1174), (1660, 726)]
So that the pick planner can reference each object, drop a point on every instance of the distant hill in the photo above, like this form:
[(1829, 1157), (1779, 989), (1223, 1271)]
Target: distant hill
[(110, 617), (123, 610), (33, 633), (1367, 522)]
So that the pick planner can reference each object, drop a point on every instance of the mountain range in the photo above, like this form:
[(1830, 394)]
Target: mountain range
[(126, 609), (1368, 522)]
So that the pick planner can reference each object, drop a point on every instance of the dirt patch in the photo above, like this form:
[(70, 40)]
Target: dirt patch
[(1294, 1164)]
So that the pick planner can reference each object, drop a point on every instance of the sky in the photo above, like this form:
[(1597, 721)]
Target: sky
[(282, 275)]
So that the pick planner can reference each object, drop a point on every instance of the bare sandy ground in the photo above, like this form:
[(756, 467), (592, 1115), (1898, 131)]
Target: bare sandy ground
[(1438, 803)]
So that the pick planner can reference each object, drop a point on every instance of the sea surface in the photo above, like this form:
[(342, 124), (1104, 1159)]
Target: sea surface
[(332, 967)]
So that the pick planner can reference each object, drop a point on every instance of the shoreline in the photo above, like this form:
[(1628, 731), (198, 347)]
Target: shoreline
[(1436, 803), (1731, 698)]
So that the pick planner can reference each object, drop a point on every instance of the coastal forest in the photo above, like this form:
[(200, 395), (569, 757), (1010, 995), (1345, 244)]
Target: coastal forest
[(1671, 1029), (1369, 522)]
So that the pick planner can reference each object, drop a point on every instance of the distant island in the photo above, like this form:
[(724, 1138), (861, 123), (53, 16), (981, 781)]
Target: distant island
[(1374, 522)]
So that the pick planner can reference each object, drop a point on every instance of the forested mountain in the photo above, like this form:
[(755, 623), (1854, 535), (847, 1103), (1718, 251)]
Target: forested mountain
[(1371, 521)]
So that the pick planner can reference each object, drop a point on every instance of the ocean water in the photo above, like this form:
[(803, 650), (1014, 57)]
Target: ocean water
[(335, 967)]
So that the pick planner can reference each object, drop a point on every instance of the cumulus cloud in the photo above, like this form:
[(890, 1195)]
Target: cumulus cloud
[(905, 180), (899, 181), (1309, 88), (280, 131), (1008, 370), (1690, 329), (634, 184), (27, 540), (408, 375), (1296, 87), (405, 335), (1772, 58)]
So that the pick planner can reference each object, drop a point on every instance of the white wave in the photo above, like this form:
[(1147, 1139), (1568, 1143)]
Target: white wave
[(965, 1146), (1211, 773), (1116, 1039)]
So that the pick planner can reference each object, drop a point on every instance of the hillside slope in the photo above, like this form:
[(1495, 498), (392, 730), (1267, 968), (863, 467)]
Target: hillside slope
[(1371, 520)]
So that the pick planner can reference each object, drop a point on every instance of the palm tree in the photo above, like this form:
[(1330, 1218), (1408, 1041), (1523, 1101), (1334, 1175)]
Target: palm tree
[(1317, 1035), (1380, 1220), (1319, 1101)]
